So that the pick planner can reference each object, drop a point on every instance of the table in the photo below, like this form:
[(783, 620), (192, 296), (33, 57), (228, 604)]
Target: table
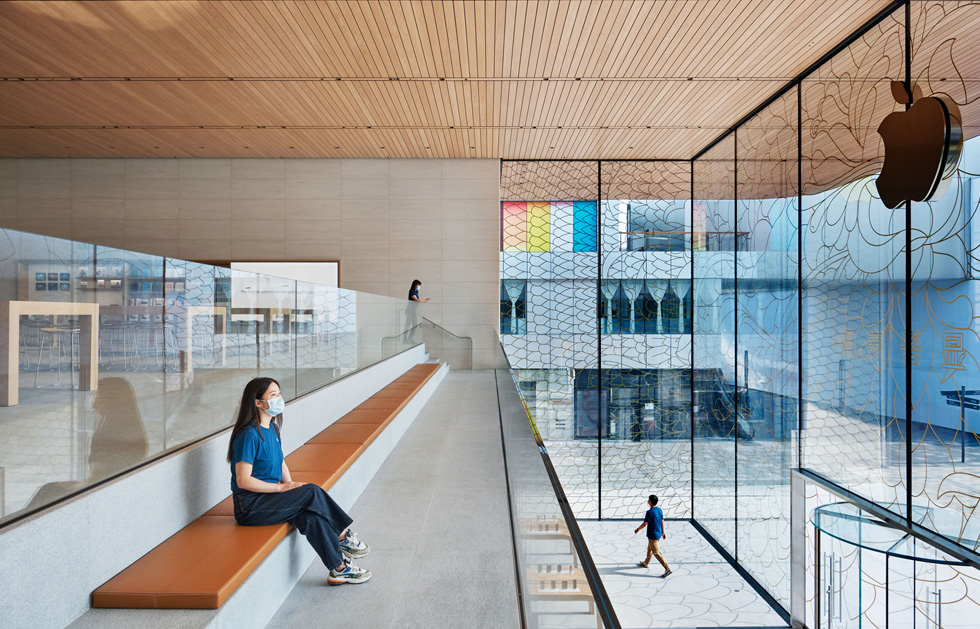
[(88, 355)]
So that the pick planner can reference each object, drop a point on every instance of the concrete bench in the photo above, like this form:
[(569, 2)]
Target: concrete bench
[(201, 565)]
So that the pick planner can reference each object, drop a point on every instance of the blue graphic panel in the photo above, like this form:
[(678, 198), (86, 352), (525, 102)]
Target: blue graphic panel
[(585, 226)]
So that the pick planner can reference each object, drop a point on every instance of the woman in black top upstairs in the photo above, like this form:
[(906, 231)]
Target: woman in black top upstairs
[(412, 310), (413, 292)]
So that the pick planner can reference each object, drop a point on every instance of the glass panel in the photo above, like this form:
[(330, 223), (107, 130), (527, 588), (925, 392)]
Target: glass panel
[(646, 350), (123, 356), (767, 358), (946, 259), (714, 344), (853, 267), (550, 568), (549, 328)]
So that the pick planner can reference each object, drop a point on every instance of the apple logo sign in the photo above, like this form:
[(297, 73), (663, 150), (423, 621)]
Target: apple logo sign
[(922, 147)]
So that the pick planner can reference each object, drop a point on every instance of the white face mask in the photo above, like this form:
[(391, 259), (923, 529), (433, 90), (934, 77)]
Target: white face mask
[(276, 406)]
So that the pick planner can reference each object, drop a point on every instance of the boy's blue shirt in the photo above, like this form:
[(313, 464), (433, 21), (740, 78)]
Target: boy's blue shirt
[(655, 523)]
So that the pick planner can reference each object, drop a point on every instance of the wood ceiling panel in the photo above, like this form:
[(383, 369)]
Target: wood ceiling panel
[(592, 75)]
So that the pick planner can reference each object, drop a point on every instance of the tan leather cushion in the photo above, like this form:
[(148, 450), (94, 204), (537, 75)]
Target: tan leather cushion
[(197, 568), (366, 416), (383, 403), (362, 434), (333, 458)]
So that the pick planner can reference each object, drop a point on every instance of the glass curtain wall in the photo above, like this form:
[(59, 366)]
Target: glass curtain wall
[(767, 300), (945, 261), (646, 352), (853, 267), (550, 300), (759, 308), (714, 419)]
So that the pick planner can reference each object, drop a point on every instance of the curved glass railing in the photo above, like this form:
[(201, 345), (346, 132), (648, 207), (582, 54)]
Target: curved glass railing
[(114, 358), (440, 343)]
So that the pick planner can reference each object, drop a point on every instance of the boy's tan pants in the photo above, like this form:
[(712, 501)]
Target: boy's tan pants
[(653, 550)]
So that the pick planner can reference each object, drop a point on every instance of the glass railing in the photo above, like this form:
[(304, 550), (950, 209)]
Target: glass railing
[(113, 358), (440, 343), (559, 582)]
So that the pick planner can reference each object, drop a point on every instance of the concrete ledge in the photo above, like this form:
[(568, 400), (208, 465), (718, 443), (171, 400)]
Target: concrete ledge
[(51, 563)]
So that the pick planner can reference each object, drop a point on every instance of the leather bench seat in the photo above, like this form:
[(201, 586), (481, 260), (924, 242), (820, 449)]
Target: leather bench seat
[(201, 565)]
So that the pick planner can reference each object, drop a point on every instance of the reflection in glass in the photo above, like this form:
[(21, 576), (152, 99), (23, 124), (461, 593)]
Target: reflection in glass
[(129, 359)]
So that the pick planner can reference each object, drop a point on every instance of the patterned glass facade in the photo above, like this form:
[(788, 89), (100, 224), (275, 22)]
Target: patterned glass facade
[(699, 328)]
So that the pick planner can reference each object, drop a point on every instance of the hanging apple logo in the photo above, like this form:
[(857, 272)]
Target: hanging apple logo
[(922, 147)]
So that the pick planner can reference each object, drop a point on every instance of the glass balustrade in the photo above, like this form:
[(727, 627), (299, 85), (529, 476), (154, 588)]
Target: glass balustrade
[(114, 358)]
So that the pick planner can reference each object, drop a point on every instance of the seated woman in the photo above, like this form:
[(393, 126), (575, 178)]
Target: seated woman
[(264, 492)]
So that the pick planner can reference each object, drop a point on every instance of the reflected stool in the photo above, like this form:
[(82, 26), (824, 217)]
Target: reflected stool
[(113, 333), (147, 339), (30, 338), (60, 337)]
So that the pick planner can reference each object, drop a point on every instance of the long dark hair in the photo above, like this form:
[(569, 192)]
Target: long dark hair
[(415, 284), (248, 412)]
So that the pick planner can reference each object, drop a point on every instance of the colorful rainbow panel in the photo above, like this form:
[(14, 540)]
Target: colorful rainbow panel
[(513, 225), (539, 226)]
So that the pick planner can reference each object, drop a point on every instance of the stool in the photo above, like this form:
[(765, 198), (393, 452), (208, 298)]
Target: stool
[(59, 336), (114, 333), (30, 337), (146, 341)]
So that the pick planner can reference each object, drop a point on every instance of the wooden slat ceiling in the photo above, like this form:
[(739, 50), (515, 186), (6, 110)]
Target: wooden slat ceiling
[(552, 79)]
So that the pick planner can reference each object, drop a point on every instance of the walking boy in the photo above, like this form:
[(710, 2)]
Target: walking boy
[(655, 518)]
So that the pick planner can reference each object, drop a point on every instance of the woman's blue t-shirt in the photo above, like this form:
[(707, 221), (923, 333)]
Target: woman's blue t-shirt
[(413, 293), (264, 453)]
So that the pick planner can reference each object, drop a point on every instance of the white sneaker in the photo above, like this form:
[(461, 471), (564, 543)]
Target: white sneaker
[(350, 574), (353, 547)]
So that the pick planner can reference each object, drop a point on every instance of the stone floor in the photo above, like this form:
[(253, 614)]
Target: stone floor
[(437, 521), (703, 591)]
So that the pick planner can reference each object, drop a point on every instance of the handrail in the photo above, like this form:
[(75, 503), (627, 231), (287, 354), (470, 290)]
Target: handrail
[(410, 333), (462, 338)]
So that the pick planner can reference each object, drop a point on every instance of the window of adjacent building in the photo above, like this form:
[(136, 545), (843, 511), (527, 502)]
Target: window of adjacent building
[(513, 307)]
